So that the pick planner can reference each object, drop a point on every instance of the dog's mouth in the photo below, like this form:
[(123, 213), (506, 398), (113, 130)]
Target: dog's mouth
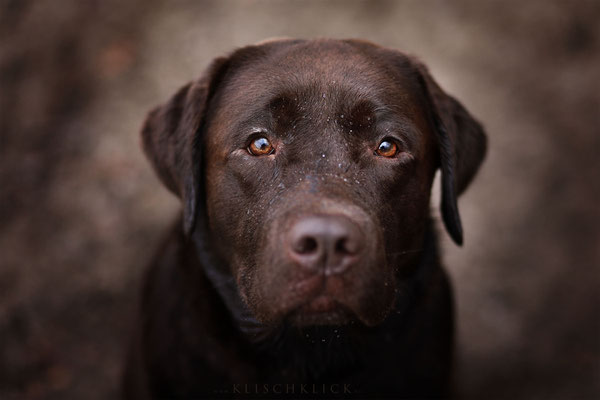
[(321, 310)]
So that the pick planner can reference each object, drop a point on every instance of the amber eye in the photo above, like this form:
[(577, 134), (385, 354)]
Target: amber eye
[(387, 148), (261, 147)]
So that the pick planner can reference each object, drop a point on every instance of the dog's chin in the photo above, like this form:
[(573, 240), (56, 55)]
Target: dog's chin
[(321, 310)]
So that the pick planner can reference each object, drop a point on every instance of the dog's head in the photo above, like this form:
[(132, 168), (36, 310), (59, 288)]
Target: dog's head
[(309, 165)]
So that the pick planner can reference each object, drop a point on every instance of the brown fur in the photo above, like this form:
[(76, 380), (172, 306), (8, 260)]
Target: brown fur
[(226, 301)]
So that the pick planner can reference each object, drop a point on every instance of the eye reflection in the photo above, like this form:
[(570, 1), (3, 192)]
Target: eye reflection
[(260, 147), (387, 148)]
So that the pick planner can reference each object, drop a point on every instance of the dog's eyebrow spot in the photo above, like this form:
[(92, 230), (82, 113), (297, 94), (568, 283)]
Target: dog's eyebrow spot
[(360, 116), (400, 128), (284, 110), (371, 118)]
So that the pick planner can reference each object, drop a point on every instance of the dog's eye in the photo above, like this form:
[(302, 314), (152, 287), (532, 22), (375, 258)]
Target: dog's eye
[(260, 147), (387, 148)]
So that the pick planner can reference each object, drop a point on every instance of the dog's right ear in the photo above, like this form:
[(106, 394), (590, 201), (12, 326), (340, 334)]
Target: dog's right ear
[(171, 138)]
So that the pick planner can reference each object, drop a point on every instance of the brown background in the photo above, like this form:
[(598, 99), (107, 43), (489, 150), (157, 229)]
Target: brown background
[(81, 211)]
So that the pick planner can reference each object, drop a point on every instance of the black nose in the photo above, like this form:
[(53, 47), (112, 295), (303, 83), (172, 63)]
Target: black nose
[(328, 243)]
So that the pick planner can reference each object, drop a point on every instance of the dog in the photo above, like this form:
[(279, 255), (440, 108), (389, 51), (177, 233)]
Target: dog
[(305, 262)]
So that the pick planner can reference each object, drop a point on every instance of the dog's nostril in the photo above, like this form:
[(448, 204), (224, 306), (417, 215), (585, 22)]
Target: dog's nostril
[(341, 246), (328, 243), (306, 245)]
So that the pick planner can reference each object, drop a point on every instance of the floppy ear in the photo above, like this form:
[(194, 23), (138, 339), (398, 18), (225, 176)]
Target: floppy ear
[(462, 146), (171, 139)]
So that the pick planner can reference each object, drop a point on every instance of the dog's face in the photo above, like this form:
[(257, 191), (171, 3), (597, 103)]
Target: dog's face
[(313, 163)]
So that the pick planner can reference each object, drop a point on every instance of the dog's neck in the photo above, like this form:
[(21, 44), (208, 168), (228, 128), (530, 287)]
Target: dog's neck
[(223, 282)]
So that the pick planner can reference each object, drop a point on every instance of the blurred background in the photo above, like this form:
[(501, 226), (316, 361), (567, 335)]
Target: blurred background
[(81, 211)]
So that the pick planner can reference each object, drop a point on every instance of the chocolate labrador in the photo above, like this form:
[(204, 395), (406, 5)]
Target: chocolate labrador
[(306, 263)]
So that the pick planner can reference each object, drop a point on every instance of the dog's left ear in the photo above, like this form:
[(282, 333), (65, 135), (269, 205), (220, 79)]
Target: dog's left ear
[(171, 137), (462, 146)]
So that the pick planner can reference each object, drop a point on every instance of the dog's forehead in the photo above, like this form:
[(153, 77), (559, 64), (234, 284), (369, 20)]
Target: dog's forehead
[(330, 79)]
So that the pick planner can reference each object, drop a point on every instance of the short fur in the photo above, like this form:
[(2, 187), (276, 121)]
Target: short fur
[(223, 311)]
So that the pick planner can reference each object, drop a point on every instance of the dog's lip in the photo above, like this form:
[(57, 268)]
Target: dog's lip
[(309, 288), (320, 304), (321, 310), (317, 304), (317, 297)]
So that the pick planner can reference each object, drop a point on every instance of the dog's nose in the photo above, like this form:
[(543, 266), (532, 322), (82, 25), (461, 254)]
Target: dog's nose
[(328, 243)]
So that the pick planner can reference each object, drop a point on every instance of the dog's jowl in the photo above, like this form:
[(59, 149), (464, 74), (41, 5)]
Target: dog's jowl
[(305, 257)]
